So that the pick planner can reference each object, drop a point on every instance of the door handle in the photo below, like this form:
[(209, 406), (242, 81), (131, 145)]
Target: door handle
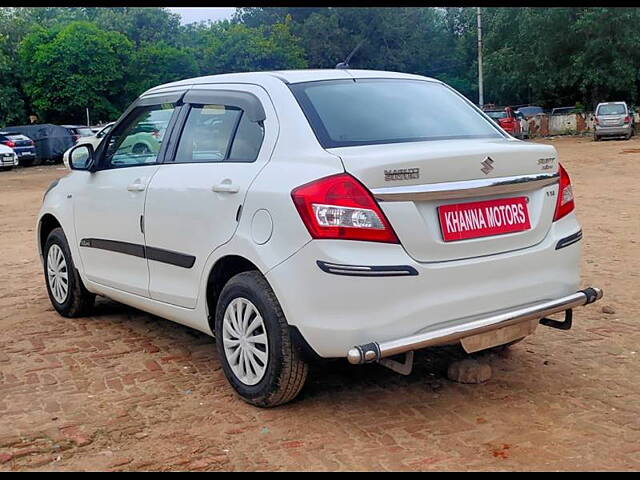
[(225, 187), (136, 187)]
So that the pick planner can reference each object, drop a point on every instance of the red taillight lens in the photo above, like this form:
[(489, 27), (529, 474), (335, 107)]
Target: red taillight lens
[(340, 207), (565, 203), (10, 144), (627, 119)]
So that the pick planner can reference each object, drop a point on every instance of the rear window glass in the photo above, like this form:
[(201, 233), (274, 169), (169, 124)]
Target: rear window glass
[(497, 114), (375, 111), (614, 109)]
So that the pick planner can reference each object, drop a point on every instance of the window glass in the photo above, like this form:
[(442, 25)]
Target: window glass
[(612, 109), (373, 111), (247, 141), (104, 131), (207, 133), (138, 141)]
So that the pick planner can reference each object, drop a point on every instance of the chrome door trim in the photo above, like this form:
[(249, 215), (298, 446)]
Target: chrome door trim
[(465, 189)]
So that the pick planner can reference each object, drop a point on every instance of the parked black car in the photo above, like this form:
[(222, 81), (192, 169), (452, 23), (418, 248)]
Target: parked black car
[(51, 141), (24, 147)]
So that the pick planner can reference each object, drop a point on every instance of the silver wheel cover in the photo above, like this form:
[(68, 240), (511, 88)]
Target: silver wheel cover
[(57, 274), (244, 338)]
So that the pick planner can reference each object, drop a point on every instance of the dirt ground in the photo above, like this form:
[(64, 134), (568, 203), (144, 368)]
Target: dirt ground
[(123, 390)]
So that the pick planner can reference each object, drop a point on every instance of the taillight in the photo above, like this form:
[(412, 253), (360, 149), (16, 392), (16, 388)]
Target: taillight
[(565, 203), (9, 144), (340, 207), (627, 119)]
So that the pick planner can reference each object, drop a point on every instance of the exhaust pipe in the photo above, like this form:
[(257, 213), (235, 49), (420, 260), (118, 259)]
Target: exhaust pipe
[(374, 351)]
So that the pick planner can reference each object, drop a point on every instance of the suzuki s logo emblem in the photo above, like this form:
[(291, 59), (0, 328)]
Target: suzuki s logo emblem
[(487, 165)]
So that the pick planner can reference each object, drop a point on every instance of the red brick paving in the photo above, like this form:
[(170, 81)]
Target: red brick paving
[(123, 390)]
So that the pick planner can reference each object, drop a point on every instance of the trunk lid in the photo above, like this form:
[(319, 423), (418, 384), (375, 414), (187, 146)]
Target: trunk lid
[(419, 166), (611, 120)]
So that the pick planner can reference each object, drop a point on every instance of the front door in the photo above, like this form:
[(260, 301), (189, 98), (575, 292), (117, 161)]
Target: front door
[(108, 208)]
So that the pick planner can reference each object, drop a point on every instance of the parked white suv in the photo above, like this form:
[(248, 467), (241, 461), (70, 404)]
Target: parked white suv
[(329, 213)]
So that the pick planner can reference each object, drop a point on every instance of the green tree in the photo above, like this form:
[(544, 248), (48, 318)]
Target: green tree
[(68, 69), (232, 47), (157, 63), (141, 25), (12, 108)]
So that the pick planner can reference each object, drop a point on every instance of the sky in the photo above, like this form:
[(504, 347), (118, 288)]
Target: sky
[(197, 14)]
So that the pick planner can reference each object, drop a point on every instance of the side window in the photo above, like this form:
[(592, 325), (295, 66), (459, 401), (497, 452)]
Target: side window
[(247, 141), (137, 141), (207, 133), (217, 133)]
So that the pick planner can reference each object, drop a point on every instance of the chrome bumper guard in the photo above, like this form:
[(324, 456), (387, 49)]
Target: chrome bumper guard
[(374, 351)]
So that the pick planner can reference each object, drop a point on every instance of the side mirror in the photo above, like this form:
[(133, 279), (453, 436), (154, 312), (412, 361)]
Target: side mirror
[(81, 157)]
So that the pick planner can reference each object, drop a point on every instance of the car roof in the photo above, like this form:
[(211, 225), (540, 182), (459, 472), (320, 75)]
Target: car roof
[(612, 103), (290, 76)]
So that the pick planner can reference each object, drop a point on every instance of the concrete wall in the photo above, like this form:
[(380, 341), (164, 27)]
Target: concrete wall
[(575, 123)]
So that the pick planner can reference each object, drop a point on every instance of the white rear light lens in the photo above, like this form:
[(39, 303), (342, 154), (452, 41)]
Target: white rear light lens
[(335, 216)]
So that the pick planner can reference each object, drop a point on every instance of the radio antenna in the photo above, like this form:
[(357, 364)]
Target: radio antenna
[(345, 64)]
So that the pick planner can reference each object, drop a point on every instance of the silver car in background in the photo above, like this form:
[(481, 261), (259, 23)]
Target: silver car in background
[(613, 119)]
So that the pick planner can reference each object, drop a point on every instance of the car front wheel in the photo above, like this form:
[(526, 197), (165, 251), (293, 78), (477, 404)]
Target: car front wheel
[(66, 291), (258, 357)]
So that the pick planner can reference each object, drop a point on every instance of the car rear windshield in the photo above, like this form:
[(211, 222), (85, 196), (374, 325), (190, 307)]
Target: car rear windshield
[(501, 114), (346, 113), (612, 109), (84, 132)]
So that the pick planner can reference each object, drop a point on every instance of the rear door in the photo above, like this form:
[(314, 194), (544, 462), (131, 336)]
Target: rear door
[(193, 204)]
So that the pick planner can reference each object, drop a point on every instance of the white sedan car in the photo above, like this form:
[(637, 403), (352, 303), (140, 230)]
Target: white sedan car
[(299, 215), (8, 158)]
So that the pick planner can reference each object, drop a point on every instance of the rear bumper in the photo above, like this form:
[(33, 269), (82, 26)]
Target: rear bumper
[(343, 304), (8, 161), (375, 351), (613, 131)]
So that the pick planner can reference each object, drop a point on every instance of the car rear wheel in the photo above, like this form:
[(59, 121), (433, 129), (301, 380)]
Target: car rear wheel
[(258, 357), (66, 291)]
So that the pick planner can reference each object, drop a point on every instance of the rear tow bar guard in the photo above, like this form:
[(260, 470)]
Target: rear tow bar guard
[(378, 352)]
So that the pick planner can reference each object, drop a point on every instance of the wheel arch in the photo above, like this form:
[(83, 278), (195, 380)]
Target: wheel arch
[(47, 223), (221, 272)]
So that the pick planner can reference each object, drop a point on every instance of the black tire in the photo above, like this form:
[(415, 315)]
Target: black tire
[(6, 169), (286, 371), (79, 300)]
